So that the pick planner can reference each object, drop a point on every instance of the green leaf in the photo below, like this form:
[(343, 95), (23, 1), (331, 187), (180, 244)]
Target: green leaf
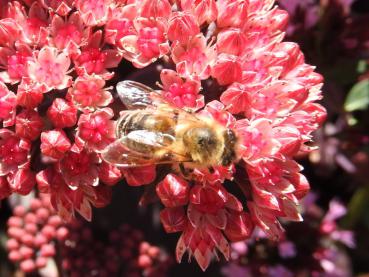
[(351, 120), (362, 66), (358, 97), (357, 208)]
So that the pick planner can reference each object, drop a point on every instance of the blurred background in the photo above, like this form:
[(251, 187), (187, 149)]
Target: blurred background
[(333, 240)]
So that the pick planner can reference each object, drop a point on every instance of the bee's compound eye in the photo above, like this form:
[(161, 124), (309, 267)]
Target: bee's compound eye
[(229, 137)]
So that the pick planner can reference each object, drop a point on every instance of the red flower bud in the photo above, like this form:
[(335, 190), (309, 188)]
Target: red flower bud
[(204, 10), (54, 221), (182, 26), (62, 233), (54, 144), (227, 69), (109, 174), (28, 124), (237, 98), (28, 239), (40, 240), (14, 256), (30, 218), (41, 262), (144, 261), (31, 228), (139, 176), (35, 204), (173, 219), (155, 8), (9, 31), (22, 181), (30, 94), (12, 244), (208, 199), (26, 252), (239, 226), (44, 178), (48, 231), (19, 211), (173, 191), (301, 185), (15, 221), (231, 41), (232, 13), (14, 151), (42, 213), (15, 232), (47, 250), (96, 129), (317, 112), (27, 265), (7, 102), (62, 113)]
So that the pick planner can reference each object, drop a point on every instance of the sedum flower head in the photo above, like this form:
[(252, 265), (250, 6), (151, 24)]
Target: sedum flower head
[(223, 59)]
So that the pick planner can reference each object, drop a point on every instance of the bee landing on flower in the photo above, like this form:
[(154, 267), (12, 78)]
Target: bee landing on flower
[(152, 131)]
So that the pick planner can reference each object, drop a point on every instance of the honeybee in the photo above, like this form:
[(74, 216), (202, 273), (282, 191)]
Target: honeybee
[(152, 131)]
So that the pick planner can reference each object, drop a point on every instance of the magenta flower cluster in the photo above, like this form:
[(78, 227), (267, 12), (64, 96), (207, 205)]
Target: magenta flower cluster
[(57, 116)]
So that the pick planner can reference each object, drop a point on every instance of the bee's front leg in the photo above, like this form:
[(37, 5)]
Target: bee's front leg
[(183, 170), (186, 171)]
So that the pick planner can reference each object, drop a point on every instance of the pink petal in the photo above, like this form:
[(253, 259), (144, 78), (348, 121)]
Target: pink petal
[(169, 77), (63, 60), (113, 58), (218, 220)]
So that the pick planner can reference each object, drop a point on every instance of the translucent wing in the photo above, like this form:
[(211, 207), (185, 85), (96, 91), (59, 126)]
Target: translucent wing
[(137, 96), (148, 138), (120, 155), (142, 148)]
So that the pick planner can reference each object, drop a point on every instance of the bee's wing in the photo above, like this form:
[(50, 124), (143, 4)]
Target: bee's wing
[(149, 138), (121, 154), (118, 154), (135, 95)]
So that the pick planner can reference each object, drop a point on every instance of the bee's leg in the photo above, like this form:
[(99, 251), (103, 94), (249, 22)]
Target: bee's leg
[(211, 169), (183, 170)]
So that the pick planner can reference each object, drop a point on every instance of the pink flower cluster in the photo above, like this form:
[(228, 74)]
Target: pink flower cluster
[(33, 233), (57, 113), (123, 253), (37, 235)]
